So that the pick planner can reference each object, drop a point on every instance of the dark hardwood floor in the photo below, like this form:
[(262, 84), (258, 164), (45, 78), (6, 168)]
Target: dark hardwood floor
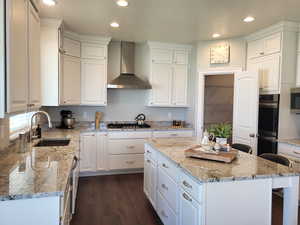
[(120, 200)]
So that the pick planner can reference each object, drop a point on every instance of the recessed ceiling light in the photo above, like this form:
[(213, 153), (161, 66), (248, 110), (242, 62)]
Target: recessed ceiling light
[(122, 3), (216, 35), (114, 24), (49, 2), (249, 19)]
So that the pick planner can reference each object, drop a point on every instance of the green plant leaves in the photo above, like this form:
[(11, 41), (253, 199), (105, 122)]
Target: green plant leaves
[(221, 130)]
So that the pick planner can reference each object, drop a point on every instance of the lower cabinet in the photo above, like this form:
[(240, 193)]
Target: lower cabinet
[(176, 197), (298, 69), (93, 152), (174, 134)]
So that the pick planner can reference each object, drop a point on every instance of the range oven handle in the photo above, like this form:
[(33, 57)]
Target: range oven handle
[(271, 139), (268, 105)]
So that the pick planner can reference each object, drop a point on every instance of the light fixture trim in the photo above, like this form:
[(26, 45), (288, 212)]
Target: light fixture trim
[(114, 24), (216, 35), (122, 3), (49, 2), (249, 19)]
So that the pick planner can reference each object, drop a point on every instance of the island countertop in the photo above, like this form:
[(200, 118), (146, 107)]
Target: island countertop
[(244, 167), (40, 171)]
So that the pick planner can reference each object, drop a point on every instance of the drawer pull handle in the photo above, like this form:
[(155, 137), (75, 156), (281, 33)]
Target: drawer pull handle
[(130, 147), (164, 214), (148, 161), (164, 165), (187, 197), (130, 162), (187, 184), (164, 187), (174, 135), (148, 152), (297, 153)]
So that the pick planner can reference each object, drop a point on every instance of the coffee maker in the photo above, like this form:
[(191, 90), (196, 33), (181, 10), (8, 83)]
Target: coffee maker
[(67, 120)]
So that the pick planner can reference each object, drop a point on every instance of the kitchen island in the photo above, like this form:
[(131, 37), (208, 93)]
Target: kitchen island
[(187, 191)]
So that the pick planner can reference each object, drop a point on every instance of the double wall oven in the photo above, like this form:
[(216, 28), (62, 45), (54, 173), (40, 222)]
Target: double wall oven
[(268, 123)]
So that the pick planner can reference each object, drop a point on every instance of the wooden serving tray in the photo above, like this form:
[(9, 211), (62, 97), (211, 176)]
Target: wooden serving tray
[(226, 157)]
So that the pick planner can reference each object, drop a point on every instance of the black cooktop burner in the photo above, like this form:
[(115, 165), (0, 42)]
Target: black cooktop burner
[(127, 126)]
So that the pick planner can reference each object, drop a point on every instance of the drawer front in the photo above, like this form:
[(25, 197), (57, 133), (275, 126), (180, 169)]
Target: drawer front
[(127, 135), (169, 134), (165, 213), (288, 149), (150, 153), (169, 167), (168, 189), (117, 162), (126, 146), (191, 186)]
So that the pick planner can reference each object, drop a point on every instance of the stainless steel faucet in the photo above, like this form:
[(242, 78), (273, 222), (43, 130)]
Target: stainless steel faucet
[(31, 137)]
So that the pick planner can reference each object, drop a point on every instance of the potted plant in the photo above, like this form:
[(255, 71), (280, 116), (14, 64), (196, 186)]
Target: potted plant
[(222, 132)]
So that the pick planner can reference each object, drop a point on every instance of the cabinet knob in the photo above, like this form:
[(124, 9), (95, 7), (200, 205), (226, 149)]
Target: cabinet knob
[(164, 187), (164, 165), (261, 53), (252, 135)]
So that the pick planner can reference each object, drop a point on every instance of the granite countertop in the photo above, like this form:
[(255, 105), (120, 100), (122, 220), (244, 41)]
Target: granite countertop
[(245, 167), (294, 141), (39, 172)]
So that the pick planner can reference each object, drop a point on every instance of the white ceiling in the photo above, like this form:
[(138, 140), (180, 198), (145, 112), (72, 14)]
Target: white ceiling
[(181, 21)]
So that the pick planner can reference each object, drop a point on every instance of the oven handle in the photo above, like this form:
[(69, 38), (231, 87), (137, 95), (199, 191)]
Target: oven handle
[(268, 105), (271, 139)]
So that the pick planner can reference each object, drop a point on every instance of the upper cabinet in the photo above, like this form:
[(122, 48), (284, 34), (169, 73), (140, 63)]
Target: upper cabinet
[(79, 64), (2, 60), (298, 62), (23, 56), (272, 53), (167, 68)]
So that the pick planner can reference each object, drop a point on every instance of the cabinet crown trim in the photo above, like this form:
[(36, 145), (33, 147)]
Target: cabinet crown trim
[(51, 22), (279, 27), (154, 44)]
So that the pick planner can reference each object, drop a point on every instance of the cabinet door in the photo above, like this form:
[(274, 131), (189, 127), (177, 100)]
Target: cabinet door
[(153, 183), (147, 177), (102, 151), (161, 81), (17, 52), (71, 81), (34, 58), (164, 56), (94, 82), (180, 85), (88, 152), (93, 51), (271, 73), (255, 49), (272, 44), (71, 47), (256, 65), (298, 70), (181, 57), (189, 210), (2, 60)]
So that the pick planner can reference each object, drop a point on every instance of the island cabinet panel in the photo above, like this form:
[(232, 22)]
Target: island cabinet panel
[(189, 185), (189, 210), (169, 167), (150, 180), (164, 211)]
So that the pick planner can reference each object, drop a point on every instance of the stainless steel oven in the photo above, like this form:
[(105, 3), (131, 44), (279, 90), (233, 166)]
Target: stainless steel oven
[(268, 124), (295, 100)]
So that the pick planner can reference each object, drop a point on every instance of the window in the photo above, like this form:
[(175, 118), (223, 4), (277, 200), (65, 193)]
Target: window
[(18, 123)]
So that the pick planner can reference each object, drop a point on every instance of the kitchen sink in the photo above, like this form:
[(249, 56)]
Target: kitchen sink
[(52, 142)]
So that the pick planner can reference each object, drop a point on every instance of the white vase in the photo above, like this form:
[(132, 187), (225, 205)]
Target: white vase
[(221, 141)]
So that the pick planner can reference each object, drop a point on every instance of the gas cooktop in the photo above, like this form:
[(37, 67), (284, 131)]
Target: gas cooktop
[(127, 126)]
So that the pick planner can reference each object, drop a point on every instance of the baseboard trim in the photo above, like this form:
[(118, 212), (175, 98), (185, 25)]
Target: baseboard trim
[(111, 172)]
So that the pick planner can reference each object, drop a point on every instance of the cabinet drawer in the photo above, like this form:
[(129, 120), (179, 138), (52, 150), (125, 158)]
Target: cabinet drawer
[(93, 51), (133, 135), (150, 153), (288, 149), (169, 167), (168, 189), (162, 56), (165, 213), (126, 161), (126, 146), (190, 211), (192, 187), (169, 134)]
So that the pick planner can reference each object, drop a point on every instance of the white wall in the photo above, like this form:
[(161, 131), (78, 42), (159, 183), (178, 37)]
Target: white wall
[(123, 105), (237, 54)]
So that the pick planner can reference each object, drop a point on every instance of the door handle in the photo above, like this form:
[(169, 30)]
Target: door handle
[(252, 135)]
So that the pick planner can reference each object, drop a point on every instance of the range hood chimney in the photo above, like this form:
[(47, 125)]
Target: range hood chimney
[(127, 79)]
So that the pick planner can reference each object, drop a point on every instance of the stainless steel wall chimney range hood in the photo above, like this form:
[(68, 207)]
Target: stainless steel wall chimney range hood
[(127, 79)]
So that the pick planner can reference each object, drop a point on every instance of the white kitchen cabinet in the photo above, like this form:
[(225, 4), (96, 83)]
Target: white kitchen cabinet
[(94, 82), (150, 180), (88, 152), (17, 55), (161, 55), (161, 81), (34, 58), (189, 210), (71, 81), (181, 57), (126, 161), (266, 46), (93, 152), (269, 70), (166, 214), (298, 70), (2, 60), (174, 133), (93, 51), (71, 47), (180, 84)]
